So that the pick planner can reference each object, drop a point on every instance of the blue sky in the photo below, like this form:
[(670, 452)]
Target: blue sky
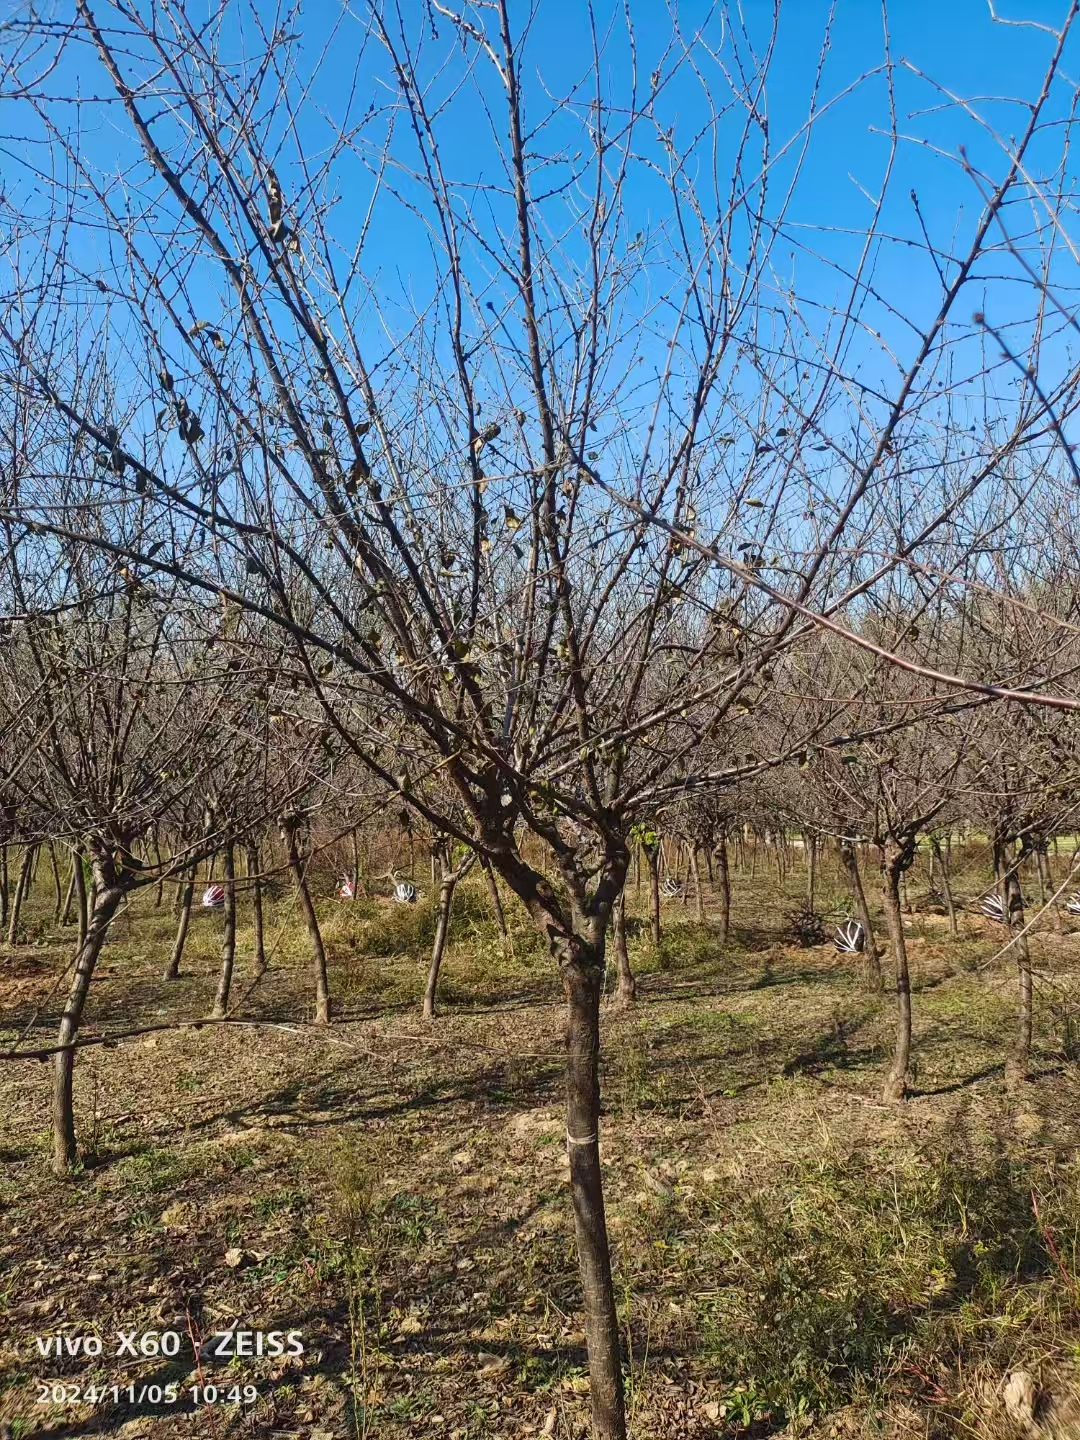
[(954, 41)]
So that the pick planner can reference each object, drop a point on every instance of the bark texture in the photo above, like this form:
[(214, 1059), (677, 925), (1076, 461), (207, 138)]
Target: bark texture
[(257, 909), (108, 893), (1018, 1066), (896, 857), (850, 859), (652, 855), (318, 950), (449, 876), (22, 885), (626, 990), (228, 933), (724, 873), (187, 893), (583, 983)]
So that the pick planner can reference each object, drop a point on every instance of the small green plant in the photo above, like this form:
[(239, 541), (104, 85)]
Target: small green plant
[(151, 1171)]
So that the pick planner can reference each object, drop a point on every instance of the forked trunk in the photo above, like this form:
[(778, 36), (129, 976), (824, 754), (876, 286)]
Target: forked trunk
[(257, 909), (447, 885), (725, 889), (626, 990), (583, 982), (850, 861), (438, 946), (318, 951), (894, 861), (107, 898), (228, 933), (653, 857), (187, 892), (22, 885)]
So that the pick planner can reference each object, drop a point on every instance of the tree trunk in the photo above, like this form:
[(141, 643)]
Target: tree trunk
[(82, 899), (356, 864), (318, 952), (895, 858), (447, 885), (186, 892), (850, 860), (653, 857), (724, 871), (160, 889), (699, 885), (577, 947), (257, 909), (1046, 886), (228, 933), (178, 901), (1019, 1063), (442, 924), (583, 983), (496, 898), (811, 869), (22, 885), (107, 897), (3, 885), (69, 893), (626, 990), (946, 885), (58, 887)]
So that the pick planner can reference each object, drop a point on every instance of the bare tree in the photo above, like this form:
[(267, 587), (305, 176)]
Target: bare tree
[(507, 567)]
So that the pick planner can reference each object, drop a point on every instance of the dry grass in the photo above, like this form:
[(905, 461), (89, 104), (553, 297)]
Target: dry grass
[(789, 1253)]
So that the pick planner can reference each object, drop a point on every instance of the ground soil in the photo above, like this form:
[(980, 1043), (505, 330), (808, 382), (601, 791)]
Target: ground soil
[(396, 1192)]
